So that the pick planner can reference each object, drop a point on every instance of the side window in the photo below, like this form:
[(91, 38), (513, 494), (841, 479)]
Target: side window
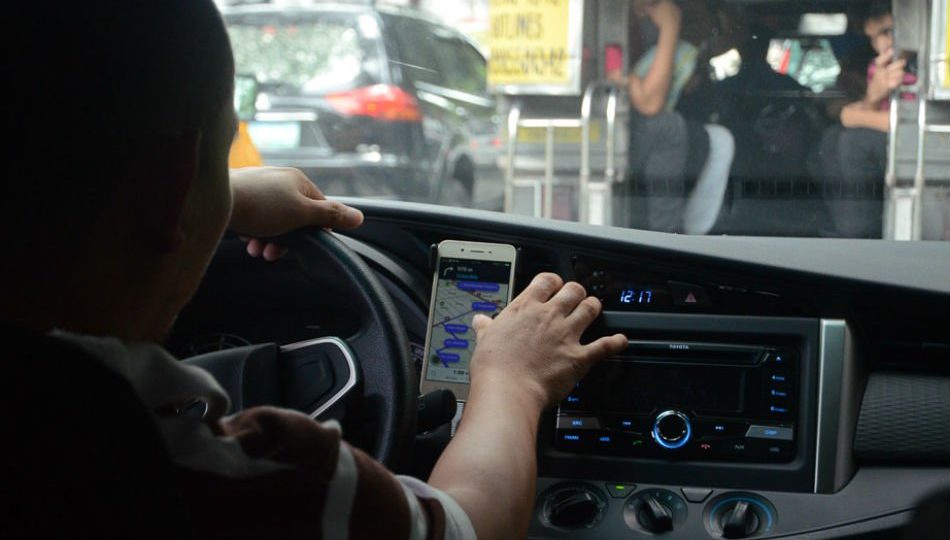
[(464, 66), (417, 49)]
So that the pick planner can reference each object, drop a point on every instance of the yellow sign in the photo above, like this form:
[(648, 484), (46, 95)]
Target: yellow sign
[(529, 42)]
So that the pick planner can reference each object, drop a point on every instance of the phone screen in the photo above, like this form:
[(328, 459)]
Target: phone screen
[(464, 288)]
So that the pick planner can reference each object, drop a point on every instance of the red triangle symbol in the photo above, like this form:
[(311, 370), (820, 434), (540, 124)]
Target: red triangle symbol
[(690, 298)]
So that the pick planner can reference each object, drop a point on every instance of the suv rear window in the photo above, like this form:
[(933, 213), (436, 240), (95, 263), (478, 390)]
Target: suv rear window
[(306, 53)]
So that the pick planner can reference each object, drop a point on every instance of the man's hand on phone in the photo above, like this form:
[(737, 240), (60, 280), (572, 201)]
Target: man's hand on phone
[(535, 341), (528, 357)]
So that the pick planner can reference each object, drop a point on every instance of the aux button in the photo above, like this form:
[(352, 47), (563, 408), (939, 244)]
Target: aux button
[(672, 429)]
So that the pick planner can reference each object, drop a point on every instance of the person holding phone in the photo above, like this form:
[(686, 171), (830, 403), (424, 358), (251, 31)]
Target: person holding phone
[(665, 152), (855, 153)]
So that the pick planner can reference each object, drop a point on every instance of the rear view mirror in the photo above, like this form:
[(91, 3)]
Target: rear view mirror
[(245, 96)]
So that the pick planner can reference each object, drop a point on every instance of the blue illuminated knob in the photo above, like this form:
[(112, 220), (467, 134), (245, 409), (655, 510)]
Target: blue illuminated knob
[(671, 429)]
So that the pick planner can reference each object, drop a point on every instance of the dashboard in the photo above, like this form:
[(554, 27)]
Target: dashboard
[(771, 387)]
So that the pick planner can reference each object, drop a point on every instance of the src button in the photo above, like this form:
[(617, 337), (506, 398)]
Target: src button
[(672, 429)]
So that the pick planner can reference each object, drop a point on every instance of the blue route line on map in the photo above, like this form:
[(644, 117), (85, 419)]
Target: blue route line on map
[(438, 352)]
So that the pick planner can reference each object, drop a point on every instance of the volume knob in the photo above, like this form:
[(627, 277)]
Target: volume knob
[(672, 429)]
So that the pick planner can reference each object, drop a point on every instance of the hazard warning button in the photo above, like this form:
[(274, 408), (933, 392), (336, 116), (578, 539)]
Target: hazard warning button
[(689, 296)]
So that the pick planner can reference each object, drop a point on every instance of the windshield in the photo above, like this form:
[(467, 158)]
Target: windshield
[(700, 117)]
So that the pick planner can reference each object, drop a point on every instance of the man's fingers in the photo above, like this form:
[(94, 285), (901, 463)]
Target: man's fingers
[(480, 322), (568, 297), (255, 248), (585, 313), (605, 347), (542, 287), (307, 187), (333, 215), (272, 252), (259, 248)]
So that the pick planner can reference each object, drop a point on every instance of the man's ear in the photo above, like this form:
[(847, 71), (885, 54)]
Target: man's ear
[(168, 171)]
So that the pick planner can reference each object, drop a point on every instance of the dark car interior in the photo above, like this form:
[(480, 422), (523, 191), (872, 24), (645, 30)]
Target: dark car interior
[(820, 410), (772, 386)]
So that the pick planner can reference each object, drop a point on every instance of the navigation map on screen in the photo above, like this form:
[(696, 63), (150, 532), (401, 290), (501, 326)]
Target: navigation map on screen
[(464, 288)]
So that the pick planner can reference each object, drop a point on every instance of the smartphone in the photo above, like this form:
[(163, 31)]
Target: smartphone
[(469, 278), (910, 68)]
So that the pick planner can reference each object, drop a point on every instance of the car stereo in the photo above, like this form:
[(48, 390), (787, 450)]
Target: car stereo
[(701, 401)]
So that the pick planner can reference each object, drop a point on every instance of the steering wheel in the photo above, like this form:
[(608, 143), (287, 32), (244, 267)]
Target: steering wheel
[(368, 375)]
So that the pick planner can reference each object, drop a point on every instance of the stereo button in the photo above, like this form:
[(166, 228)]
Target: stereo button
[(774, 433), (779, 410), (781, 450), (782, 358), (629, 424), (604, 440), (737, 448), (724, 429), (578, 422), (572, 439)]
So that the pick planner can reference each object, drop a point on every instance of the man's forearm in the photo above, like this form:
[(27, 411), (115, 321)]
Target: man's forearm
[(490, 466)]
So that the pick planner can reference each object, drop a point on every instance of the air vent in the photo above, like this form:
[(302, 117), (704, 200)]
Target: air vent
[(903, 419)]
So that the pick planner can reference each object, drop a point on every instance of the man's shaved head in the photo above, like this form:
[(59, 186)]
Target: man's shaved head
[(91, 83), (121, 116)]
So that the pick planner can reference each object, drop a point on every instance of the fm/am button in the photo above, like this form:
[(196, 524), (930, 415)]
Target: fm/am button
[(772, 433)]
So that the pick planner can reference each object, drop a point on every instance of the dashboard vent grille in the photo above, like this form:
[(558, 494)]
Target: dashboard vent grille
[(904, 418)]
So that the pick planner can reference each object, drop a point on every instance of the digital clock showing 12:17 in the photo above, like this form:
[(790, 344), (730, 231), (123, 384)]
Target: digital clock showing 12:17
[(636, 296)]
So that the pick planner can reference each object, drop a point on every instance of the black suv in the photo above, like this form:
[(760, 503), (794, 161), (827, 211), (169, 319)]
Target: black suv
[(369, 101)]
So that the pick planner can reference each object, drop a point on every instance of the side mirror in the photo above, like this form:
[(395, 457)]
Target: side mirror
[(246, 90)]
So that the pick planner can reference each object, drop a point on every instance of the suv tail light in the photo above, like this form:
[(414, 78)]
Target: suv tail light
[(381, 101)]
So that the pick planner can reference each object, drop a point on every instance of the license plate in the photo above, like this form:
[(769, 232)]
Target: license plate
[(561, 135), (275, 135)]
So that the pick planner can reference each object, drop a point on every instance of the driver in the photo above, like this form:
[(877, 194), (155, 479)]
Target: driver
[(122, 115)]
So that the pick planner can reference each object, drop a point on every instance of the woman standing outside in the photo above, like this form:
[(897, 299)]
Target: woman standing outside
[(664, 151)]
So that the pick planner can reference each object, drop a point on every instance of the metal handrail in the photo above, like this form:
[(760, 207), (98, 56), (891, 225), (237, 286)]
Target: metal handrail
[(902, 197), (515, 122), (890, 177), (919, 176), (514, 119), (610, 145)]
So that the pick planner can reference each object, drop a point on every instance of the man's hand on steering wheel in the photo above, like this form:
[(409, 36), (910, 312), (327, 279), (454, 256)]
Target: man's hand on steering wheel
[(272, 201)]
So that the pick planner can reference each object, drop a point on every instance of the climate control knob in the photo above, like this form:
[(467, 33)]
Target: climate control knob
[(672, 429), (739, 515), (655, 511), (572, 506)]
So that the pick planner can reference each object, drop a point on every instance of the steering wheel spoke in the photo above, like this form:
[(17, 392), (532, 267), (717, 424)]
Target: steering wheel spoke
[(317, 374)]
